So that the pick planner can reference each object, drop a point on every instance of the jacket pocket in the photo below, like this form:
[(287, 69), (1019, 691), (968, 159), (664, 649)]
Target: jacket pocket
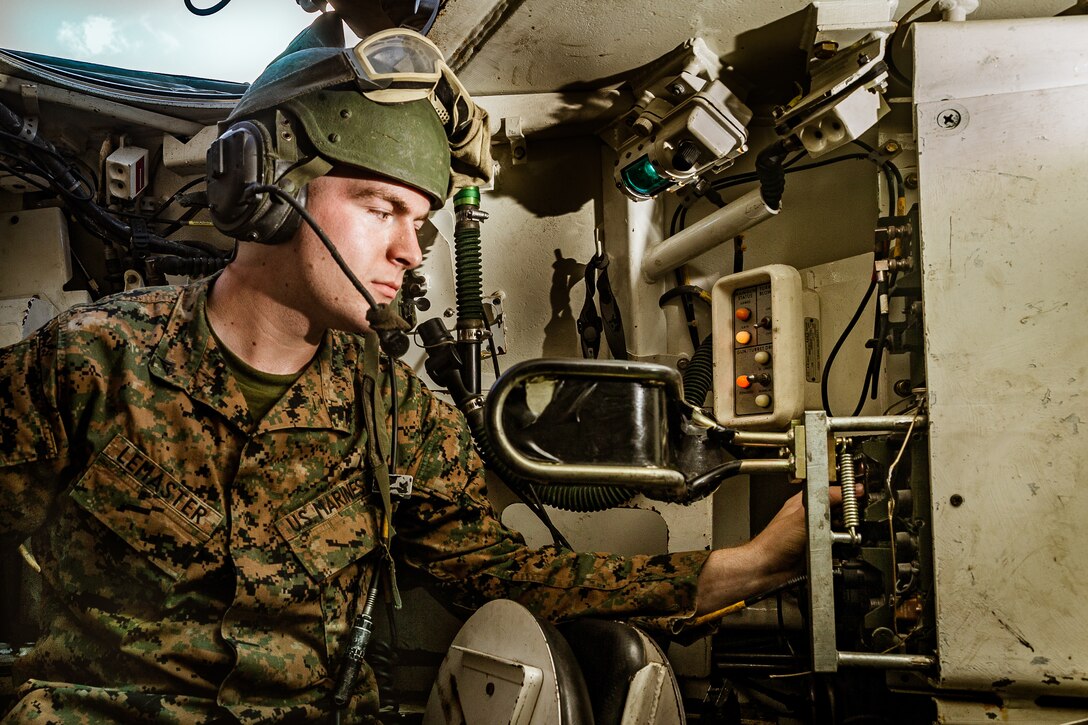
[(326, 539), (150, 510)]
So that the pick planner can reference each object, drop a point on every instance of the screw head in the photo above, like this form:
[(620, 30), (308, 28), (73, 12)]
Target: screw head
[(677, 89), (956, 499), (949, 118)]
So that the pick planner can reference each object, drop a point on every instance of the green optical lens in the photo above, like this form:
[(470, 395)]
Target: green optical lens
[(643, 179)]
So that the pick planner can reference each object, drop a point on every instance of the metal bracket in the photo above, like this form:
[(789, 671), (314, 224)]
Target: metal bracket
[(821, 594), (29, 129), (496, 321), (510, 130)]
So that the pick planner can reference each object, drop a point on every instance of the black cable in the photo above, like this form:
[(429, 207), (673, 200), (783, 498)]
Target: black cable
[(175, 196), (680, 208), (76, 173), (176, 224), (690, 290), (684, 291), (54, 187), (800, 155), (893, 177), (205, 12), (750, 176), (703, 485), (19, 175), (835, 350), (771, 172), (84, 206), (392, 413), (494, 352), (773, 591)]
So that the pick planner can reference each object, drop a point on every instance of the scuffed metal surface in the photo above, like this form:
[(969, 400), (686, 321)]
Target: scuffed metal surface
[(1007, 363)]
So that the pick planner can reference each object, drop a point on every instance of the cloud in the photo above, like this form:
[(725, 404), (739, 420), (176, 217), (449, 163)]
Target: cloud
[(162, 40), (95, 35)]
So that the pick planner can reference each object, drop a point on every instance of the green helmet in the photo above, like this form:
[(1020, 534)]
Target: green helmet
[(402, 141)]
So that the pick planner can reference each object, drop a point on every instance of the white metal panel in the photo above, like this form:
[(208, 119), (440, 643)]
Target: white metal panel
[(34, 257), (1015, 60), (1002, 183)]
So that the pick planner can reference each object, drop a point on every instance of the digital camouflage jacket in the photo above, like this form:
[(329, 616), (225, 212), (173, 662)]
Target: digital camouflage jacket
[(199, 565)]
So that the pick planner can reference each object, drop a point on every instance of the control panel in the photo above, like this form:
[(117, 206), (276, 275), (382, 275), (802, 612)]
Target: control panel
[(759, 348)]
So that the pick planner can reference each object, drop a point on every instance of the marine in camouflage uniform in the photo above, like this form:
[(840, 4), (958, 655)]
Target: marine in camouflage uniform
[(202, 563), (198, 562)]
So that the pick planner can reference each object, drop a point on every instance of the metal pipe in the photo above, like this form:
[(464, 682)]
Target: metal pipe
[(657, 477), (886, 661), (722, 226), (874, 423), (751, 438), (766, 466)]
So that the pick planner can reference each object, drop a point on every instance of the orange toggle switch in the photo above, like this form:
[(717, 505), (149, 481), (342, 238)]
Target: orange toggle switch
[(744, 337), (743, 381), (744, 314)]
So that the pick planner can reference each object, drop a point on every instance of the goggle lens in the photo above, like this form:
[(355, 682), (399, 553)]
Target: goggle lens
[(399, 57)]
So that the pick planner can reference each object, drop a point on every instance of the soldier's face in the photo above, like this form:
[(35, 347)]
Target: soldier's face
[(373, 221)]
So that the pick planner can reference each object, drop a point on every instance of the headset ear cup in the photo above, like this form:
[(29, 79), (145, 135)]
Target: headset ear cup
[(241, 157), (283, 221)]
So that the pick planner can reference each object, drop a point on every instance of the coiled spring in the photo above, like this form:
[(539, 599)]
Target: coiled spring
[(849, 493)]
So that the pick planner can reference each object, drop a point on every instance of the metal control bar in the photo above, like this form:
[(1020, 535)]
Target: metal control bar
[(812, 446)]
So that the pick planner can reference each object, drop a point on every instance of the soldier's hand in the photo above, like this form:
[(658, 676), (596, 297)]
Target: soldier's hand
[(772, 557)]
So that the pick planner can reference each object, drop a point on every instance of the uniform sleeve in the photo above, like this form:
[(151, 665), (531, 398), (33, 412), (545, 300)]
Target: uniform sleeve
[(449, 531), (33, 443)]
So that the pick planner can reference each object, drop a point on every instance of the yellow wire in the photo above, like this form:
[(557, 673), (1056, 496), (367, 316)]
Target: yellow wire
[(718, 614)]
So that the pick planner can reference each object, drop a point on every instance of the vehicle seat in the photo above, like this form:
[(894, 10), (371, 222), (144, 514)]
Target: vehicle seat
[(611, 656), (508, 666)]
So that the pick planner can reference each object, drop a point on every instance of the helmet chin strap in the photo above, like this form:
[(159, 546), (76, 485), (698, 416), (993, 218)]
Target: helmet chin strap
[(381, 318)]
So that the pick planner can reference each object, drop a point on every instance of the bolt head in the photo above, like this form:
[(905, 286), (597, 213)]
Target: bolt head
[(825, 50)]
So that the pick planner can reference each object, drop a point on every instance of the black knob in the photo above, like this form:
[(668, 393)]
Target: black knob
[(686, 155)]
